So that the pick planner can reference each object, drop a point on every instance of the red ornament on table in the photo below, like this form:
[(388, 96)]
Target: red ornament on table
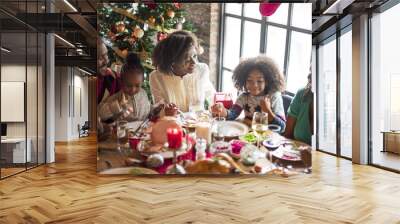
[(174, 136), (267, 9)]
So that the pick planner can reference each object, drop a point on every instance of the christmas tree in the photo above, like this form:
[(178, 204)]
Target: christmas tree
[(138, 27)]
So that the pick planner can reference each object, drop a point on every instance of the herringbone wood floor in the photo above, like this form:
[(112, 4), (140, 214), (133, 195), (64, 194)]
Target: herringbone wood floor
[(70, 191)]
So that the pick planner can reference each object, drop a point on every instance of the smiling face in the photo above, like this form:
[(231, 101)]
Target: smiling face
[(132, 82), (187, 64), (255, 83)]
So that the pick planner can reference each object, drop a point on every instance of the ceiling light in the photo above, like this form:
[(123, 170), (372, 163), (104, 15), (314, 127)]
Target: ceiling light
[(70, 5), (5, 50), (65, 41), (86, 72), (337, 7)]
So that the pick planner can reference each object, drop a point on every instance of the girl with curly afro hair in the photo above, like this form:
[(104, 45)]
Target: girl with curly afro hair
[(261, 84)]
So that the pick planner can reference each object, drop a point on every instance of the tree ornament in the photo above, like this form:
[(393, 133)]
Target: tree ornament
[(177, 5), (131, 41), (181, 20), (161, 36), (151, 5), (179, 26), (120, 26), (171, 13), (145, 26), (151, 20), (267, 9), (135, 6), (138, 33), (124, 53), (111, 35)]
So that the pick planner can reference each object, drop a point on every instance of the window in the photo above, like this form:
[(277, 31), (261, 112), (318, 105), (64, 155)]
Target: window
[(247, 34), (334, 94), (385, 88), (299, 66), (346, 94), (22, 75), (327, 96)]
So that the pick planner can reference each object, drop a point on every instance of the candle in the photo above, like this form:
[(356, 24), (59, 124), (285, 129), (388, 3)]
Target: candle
[(174, 136), (203, 130)]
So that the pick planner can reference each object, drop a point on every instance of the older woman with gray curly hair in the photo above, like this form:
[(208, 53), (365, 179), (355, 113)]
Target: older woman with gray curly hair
[(261, 84)]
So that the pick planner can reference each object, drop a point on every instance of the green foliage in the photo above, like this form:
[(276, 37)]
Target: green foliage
[(138, 15)]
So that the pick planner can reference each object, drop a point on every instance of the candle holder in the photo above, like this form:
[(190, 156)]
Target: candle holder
[(175, 168), (175, 137)]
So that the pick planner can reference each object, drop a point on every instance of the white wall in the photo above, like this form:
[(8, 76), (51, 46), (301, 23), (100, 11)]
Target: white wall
[(71, 102), (34, 125)]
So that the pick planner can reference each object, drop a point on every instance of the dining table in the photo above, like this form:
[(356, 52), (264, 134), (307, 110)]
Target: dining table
[(118, 157)]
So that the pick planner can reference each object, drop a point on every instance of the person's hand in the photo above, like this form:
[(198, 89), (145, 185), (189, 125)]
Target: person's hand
[(171, 109), (265, 105), (126, 108), (218, 110)]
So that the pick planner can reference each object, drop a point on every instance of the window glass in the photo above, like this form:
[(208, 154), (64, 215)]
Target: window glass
[(301, 16), (385, 87), (233, 8), (252, 10), (281, 15), (346, 94), (299, 61), (327, 97), (231, 42), (251, 41), (276, 42)]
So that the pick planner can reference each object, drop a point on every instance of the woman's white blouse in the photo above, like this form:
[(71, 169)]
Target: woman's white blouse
[(192, 89)]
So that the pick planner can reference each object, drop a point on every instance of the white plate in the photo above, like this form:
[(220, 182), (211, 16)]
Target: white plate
[(287, 153), (134, 125), (234, 129)]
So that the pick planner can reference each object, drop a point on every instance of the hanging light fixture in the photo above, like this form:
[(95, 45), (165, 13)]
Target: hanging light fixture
[(5, 50)]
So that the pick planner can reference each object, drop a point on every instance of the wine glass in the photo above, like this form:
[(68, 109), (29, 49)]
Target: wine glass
[(259, 125)]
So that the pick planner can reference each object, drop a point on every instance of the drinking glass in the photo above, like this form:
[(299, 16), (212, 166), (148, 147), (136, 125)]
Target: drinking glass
[(218, 124), (259, 125), (195, 106)]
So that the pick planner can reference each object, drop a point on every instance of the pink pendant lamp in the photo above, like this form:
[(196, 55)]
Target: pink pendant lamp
[(267, 9)]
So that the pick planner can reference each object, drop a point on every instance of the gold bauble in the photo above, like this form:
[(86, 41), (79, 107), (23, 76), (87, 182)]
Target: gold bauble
[(138, 33), (171, 13)]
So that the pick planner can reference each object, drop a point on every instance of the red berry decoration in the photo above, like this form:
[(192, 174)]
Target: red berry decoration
[(161, 36), (151, 5)]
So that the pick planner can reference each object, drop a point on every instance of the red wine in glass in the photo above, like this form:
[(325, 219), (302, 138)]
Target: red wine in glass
[(223, 98)]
